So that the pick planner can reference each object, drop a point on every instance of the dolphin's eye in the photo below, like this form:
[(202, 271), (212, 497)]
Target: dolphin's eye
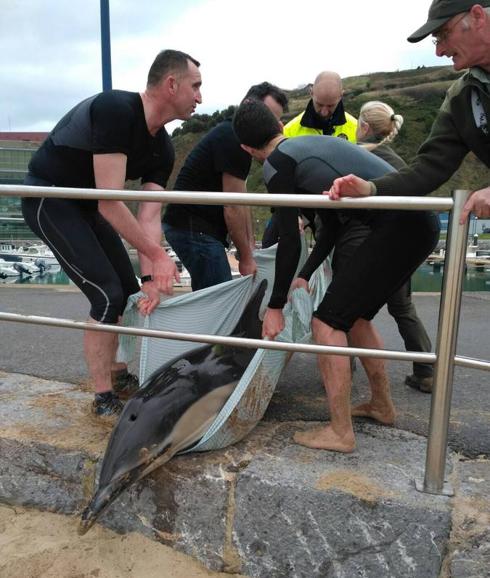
[(133, 417)]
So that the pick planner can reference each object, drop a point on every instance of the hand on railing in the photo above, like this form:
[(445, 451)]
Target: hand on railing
[(349, 186), (478, 204)]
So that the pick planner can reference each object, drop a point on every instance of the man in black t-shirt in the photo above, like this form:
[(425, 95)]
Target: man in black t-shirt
[(199, 233), (378, 266), (103, 141)]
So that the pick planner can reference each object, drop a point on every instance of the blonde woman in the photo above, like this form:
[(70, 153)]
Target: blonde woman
[(377, 126)]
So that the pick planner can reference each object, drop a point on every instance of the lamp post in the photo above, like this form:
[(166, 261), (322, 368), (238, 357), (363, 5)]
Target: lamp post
[(105, 42)]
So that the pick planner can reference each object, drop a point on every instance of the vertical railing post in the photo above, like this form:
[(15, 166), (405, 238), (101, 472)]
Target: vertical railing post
[(447, 334)]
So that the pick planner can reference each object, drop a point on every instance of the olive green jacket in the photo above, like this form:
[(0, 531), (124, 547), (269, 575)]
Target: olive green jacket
[(453, 134)]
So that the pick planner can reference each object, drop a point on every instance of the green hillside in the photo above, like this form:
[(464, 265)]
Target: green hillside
[(415, 94)]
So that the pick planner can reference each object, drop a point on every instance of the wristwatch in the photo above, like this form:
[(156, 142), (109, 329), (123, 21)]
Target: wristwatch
[(146, 278)]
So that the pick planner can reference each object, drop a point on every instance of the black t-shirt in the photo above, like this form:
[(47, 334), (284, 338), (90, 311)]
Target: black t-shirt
[(216, 153), (309, 165), (109, 122)]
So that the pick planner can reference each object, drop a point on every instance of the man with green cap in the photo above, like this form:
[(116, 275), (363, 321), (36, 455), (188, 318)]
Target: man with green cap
[(461, 31)]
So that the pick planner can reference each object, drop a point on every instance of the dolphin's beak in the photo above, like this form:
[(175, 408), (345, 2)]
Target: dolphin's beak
[(102, 499), (98, 504)]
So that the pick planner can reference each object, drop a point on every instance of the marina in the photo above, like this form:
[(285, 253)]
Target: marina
[(427, 278), (19, 264)]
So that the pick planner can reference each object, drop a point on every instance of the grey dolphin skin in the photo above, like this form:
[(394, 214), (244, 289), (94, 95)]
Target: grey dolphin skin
[(172, 411)]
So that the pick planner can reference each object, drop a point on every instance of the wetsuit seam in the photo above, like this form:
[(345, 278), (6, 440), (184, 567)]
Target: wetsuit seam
[(84, 279)]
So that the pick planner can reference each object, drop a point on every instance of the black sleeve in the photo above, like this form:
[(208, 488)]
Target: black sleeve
[(228, 155), (282, 180), (112, 124)]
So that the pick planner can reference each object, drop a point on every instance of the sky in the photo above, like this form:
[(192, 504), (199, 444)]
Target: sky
[(50, 56)]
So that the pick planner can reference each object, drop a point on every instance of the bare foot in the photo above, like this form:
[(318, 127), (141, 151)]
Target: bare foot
[(326, 439), (385, 414)]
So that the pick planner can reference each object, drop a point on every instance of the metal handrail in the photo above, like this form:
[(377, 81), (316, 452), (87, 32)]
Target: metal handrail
[(223, 340), (346, 351), (445, 357), (260, 199)]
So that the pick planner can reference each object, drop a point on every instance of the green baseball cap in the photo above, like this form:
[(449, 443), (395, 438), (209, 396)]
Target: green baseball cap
[(440, 12)]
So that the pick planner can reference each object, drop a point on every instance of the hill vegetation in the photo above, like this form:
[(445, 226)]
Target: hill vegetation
[(416, 94)]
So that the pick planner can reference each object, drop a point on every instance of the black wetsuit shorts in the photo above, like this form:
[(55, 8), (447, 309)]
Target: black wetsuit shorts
[(398, 243)]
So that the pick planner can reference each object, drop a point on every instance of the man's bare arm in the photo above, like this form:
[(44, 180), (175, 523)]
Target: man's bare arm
[(237, 222), (110, 171)]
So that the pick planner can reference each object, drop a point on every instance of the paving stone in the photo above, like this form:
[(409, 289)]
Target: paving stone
[(265, 507), (470, 556), (305, 514)]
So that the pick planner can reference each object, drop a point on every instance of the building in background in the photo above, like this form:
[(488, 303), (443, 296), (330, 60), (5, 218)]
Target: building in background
[(16, 149)]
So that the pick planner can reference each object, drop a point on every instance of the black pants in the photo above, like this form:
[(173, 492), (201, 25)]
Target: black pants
[(88, 249), (372, 264), (410, 327)]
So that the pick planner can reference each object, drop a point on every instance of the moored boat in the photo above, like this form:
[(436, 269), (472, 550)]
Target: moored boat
[(30, 253)]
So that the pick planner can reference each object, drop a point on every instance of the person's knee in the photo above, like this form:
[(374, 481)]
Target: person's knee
[(322, 331), (361, 326), (108, 304)]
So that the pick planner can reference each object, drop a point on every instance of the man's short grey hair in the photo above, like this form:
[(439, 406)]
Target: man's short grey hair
[(168, 61), (465, 19)]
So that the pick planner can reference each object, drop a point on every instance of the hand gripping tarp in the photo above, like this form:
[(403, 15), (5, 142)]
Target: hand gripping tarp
[(216, 311)]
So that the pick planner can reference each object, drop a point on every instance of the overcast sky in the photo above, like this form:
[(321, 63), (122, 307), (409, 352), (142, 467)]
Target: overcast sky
[(50, 49)]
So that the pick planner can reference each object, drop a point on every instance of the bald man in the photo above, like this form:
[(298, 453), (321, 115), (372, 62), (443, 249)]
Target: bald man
[(324, 113)]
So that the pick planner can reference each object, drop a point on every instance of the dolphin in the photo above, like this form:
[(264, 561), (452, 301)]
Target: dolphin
[(172, 411)]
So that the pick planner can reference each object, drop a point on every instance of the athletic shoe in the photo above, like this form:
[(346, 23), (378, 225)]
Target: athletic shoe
[(107, 403), (423, 384), (125, 384)]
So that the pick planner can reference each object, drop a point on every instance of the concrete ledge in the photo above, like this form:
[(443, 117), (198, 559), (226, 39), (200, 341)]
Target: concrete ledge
[(265, 507)]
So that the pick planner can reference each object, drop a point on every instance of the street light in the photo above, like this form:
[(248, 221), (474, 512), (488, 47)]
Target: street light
[(105, 43)]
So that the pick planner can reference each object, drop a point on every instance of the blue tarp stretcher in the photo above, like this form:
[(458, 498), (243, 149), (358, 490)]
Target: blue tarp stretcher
[(216, 311)]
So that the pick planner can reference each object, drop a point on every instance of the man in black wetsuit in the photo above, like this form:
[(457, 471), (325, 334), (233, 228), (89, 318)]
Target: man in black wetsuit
[(360, 288), (199, 233), (103, 141)]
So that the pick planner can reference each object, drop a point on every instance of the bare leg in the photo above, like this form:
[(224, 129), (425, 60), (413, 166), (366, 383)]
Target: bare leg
[(99, 354), (338, 435), (380, 407)]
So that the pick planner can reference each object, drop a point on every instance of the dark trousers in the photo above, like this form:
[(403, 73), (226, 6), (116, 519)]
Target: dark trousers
[(88, 249), (202, 255), (410, 327), (369, 258)]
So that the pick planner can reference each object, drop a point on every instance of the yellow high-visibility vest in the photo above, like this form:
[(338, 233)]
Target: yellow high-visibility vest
[(346, 130)]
